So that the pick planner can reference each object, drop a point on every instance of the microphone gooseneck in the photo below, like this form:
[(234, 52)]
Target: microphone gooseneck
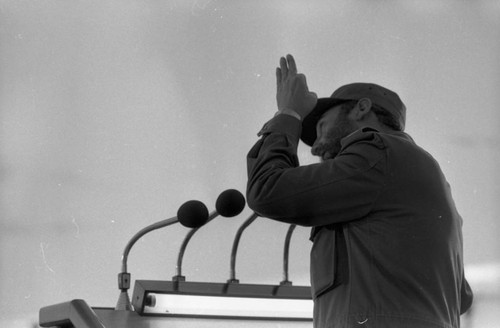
[(229, 203), (182, 250), (142, 232), (237, 237), (191, 214), (286, 253)]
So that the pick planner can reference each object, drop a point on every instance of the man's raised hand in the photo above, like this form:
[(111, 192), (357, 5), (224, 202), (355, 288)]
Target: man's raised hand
[(292, 91)]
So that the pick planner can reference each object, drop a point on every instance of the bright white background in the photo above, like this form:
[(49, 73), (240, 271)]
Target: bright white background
[(114, 113)]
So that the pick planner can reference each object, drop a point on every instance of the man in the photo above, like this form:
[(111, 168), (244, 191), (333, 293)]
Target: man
[(387, 238)]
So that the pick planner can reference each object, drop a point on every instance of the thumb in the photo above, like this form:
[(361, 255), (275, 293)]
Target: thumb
[(313, 100)]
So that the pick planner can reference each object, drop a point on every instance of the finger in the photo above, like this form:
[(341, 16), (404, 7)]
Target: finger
[(314, 98), (291, 64), (278, 76), (284, 68), (302, 79)]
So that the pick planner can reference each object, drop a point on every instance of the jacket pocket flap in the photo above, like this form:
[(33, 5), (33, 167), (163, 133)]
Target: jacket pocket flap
[(323, 262)]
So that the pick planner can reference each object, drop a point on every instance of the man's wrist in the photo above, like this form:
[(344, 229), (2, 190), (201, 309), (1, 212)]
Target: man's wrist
[(290, 112)]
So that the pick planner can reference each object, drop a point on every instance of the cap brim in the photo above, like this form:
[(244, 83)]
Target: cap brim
[(309, 123)]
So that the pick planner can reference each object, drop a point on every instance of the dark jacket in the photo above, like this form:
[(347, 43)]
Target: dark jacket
[(387, 238)]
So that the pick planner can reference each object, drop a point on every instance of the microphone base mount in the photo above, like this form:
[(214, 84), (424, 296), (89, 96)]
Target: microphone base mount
[(179, 278), (286, 283)]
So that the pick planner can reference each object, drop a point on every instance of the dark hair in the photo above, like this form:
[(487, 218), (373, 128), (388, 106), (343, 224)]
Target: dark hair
[(383, 115)]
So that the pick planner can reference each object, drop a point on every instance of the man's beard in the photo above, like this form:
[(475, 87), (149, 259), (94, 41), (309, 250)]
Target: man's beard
[(330, 145)]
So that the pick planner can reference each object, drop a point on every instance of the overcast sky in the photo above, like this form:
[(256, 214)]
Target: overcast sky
[(113, 113)]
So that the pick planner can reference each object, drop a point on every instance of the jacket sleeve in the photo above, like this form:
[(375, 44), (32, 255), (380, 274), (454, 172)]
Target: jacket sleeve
[(337, 190), (466, 296)]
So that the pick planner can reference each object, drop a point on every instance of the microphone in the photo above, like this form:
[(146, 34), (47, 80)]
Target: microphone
[(286, 252), (191, 214), (229, 203), (237, 237)]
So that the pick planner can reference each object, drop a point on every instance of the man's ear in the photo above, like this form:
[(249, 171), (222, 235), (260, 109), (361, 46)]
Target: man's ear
[(363, 108)]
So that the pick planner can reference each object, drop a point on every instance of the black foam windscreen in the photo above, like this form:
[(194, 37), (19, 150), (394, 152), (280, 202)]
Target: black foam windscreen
[(192, 214), (230, 203)]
